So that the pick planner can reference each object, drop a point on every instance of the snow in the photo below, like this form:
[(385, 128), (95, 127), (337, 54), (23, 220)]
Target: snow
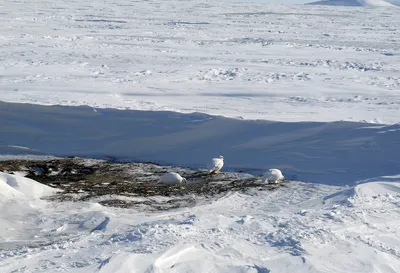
[(295, 228), (337, 153), (236, 59), (15, 186), (355, 3), (19, 202), (309, 89)]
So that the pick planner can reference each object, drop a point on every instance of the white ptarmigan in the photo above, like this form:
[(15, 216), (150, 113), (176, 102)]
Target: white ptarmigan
[(273, 176), (215, 165), (172, 178)]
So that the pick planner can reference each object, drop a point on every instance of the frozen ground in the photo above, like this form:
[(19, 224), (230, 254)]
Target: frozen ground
[(301, 228), (308, 69), (321, 227), (250, 60)]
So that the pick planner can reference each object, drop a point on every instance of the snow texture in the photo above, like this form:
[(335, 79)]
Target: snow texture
[(354, 3), (238, 59), (13, 187), (301, 228), (312, 90), (323, 152), (19, 203)]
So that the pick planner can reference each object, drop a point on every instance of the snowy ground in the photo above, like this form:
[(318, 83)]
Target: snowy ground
[(293, 65), (337, 153), (303, 228), (250, 60), (358, 3)]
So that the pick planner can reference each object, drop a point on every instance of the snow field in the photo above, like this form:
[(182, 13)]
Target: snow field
[(300, 63), (307, 68), (304, 227)]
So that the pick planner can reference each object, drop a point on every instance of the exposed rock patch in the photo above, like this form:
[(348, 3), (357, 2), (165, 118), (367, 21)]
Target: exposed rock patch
[(130, 184)]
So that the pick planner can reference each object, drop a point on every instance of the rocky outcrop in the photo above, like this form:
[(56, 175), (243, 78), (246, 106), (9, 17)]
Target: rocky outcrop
[(130, 184)]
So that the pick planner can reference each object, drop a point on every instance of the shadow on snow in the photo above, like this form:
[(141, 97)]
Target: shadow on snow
[(331, 153)]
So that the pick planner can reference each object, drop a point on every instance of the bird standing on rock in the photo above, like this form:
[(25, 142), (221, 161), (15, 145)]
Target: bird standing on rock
[(216, 165)]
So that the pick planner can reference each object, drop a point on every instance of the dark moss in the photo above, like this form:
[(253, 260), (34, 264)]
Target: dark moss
[(84, 179)]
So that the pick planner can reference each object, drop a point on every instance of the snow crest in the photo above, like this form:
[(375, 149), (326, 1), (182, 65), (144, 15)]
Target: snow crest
[(18, 187), (382, 189), (355, 3)]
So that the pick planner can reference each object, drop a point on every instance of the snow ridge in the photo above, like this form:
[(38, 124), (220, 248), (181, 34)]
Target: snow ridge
[(355, 3), (14, 187)]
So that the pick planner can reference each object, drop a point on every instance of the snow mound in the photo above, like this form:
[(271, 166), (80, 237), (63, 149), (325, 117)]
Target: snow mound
[(20, 208), (354, 3), (18, 187), (179, 258), (367, 191), (376, 189)]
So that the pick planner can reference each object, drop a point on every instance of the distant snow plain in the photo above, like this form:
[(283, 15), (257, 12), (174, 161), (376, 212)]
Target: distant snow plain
[(313, 90), (237, 59)]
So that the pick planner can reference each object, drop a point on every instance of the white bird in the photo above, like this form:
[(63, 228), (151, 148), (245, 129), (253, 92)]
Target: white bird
[(273, 176), (172, 178), (216, 164)]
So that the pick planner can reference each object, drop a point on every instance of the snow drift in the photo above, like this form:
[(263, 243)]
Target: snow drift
[(286, 231), (354, 3), (332, 152), (14, 187), (371, 190), (19, 206)]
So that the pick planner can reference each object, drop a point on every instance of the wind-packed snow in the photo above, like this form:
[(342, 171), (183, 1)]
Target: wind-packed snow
[(355, 3), (18, 187), (323, 152), (237, 59), (311, 90), (300, 228), (19, 204)]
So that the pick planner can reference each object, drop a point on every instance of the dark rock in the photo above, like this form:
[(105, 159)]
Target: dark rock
[(130, 184)]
